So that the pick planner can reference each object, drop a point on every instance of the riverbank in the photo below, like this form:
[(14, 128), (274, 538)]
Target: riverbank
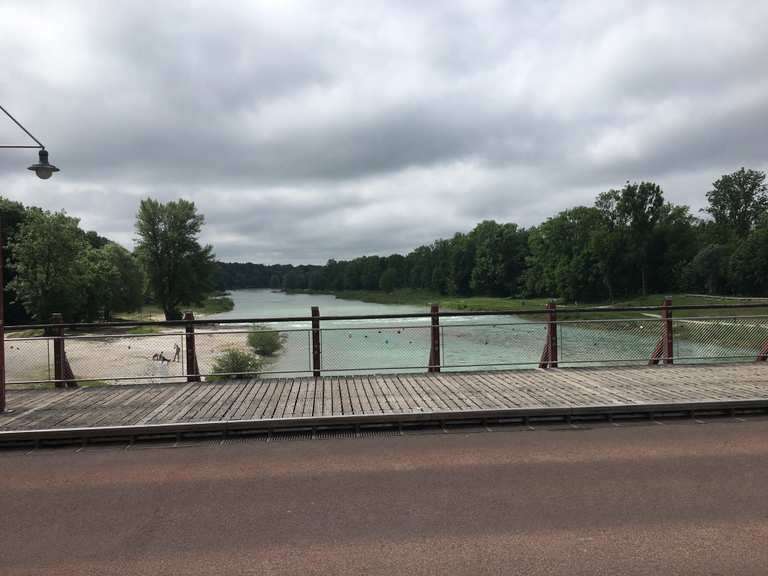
[(214, 304), (496, 304), (426, 298)]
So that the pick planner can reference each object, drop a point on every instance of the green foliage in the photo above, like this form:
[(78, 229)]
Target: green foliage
[(265, 342), (128, 293), (239, 363), (737, 202), (564, 260), (50, 261), (12, 214), (180, 271), (143, 330), (215, 305), (387, 280), (749, 264), (710, 268)]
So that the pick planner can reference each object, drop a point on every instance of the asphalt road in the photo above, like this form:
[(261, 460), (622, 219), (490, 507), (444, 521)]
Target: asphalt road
[(673, 498)]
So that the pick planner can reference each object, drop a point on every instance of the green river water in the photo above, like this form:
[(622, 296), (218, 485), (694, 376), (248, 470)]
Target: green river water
[(470, 342)]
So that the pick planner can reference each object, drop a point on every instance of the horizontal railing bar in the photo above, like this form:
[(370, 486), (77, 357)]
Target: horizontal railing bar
[(108, 336), (389, 327), (510, 312)]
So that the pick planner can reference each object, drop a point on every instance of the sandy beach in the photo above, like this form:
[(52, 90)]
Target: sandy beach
[(118, 358)]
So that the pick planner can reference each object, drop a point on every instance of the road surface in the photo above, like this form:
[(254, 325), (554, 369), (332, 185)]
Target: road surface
[(677, 497)]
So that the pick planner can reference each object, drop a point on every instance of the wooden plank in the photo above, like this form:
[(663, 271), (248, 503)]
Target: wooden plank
[(387, 394), (376, 400), (241, 404), (376, 394), (327, 386), (160, 413), (360, 401), (289, 393), (346, 395), (271, 404)]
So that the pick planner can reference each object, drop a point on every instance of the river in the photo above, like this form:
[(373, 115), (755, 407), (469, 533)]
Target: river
[(468, 342)]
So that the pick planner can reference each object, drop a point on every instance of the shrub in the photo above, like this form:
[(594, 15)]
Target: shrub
[(233, 360), (265, 342)]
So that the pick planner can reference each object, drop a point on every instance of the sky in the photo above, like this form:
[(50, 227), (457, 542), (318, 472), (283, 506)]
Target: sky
[(311, 130)]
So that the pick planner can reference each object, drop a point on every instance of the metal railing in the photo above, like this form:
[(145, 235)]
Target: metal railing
[(191, 350)]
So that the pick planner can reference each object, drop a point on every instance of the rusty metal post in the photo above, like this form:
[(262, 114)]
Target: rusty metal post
[(552, 334), (315, 341), (434, 348), (2, 322), (762, 356), (666, 314), (58, 351), (193, 372), (549, 354), (2, 357)]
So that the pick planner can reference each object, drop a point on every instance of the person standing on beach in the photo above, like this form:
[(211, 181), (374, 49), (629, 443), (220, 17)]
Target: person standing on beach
[(176, 352)]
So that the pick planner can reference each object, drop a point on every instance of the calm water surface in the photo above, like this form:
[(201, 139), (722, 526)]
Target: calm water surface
[(470, 342)]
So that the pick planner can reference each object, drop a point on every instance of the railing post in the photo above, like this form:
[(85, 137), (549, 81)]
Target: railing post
[(762, 356), (62, 371), (58, 351), (664, 350), (666, 313), (2, 355), (434, 348), (552, 334), (193, 372), (315, 341), (549, 354)]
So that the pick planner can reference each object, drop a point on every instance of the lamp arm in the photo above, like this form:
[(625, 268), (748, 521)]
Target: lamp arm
[(28, 133)]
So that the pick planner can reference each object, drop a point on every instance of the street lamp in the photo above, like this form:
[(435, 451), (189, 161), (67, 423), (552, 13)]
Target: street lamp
[(44, 170)]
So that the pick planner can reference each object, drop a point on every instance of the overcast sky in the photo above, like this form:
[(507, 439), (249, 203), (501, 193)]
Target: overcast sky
[(312, 130)]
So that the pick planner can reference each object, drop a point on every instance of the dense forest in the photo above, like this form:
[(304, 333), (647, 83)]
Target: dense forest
[(630, 241)]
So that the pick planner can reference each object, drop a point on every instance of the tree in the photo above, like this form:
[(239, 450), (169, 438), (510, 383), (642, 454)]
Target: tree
[(387, 280), (48, 258), (709, 268), (636, 209), (12, 214), (737, 201), (180, 271), (500, 251), (563, 260), (749, 263), (127, 293), (101, 282)]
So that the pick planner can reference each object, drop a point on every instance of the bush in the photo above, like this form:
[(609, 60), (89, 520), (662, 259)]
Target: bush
[(265, 342), (233, 360)]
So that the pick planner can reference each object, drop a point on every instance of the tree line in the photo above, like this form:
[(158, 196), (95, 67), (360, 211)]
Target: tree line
[(51, 265), (630, 241)]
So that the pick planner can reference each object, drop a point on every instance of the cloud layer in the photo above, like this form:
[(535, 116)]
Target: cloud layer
[(306, 131)]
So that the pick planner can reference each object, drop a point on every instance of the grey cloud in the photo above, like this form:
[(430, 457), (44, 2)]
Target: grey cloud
[(305, 132)]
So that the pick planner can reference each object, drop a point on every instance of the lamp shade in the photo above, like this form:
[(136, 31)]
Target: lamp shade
[(43, 168)]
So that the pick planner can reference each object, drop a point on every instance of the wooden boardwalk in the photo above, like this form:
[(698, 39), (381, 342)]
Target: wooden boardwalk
[(307, 398)]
